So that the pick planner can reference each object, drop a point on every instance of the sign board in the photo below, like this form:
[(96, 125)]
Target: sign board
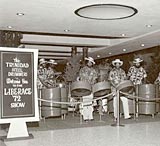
[(18, 91)]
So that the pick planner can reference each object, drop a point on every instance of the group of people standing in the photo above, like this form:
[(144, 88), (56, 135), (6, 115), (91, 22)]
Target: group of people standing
[(136, 74)]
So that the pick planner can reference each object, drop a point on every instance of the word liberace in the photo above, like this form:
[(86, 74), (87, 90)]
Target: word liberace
[(17, 91)]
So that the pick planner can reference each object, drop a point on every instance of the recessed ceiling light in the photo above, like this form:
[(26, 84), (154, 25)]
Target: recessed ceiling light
[(10, 27), (66, 30), (98, 56), (20, 14), (148, 25), (124, 50), (109, 53), (123, 34), (142, 45)]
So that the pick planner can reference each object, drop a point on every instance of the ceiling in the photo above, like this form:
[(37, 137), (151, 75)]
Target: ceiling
[(53, 27)]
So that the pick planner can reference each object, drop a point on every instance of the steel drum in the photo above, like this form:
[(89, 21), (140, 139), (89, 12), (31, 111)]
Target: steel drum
[(125, 86), (101, 88), (80, 88), (50, 109), (147, 91), (64, 98)]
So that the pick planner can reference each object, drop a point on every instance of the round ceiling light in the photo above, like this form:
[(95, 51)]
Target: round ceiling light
[(106, 11), (20, 14)]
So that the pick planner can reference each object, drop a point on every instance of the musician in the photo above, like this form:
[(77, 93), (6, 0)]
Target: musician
[(137, 73), (104, 69), (51, 73), (89, 74), (116, 76), (42, 73)]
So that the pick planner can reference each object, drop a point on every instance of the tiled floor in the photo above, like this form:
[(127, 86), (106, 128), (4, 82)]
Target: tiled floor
[(71, 132)]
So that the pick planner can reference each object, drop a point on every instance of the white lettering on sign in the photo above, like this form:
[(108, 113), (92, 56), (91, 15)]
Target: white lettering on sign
[(17, 91), (15, 74), (24, 81), (17, 104), (17, 83), (17, 70), (17, 64), (17, 98), (13, 81)]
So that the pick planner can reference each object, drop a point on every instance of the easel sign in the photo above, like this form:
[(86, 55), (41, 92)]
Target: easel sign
[(18, 91)]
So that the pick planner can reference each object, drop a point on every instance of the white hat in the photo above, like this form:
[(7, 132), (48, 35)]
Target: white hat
[(42, 61), (51, 61), (117, 61), (137, 60), (90, 59)]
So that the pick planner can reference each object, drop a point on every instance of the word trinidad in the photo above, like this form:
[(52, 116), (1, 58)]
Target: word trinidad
[(17, 64)]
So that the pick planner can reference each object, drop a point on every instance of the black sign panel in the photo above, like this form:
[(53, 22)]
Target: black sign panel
[(17, 84)]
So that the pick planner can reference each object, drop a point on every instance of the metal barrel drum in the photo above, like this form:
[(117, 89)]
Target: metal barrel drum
[(125, 86), (110, 104), (80, 88), (50, 109), (147, 91), (101, 88), (39, 102), (64, 98)]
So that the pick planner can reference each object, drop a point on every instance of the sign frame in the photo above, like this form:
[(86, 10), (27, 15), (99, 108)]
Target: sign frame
[(15, 121)]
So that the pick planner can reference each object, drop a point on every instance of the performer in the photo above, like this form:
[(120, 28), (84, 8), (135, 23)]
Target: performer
[(116, 75), (51, 73), (89, 74), (104, 69), (42, 73), (137, 73)]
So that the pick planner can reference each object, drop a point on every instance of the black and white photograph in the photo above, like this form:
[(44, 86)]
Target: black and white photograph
[(79, 73)]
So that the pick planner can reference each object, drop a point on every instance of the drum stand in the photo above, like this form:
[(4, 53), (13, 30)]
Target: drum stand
[(40, 107), (118, 110), (81, 119), (80, 112), (40, 103), (134, 108), (136, 102), (100, 111)]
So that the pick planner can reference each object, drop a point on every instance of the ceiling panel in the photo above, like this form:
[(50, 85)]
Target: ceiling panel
[(57, 16)]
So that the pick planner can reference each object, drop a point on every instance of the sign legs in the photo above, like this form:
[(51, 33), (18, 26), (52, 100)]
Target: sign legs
[(18, 129)]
